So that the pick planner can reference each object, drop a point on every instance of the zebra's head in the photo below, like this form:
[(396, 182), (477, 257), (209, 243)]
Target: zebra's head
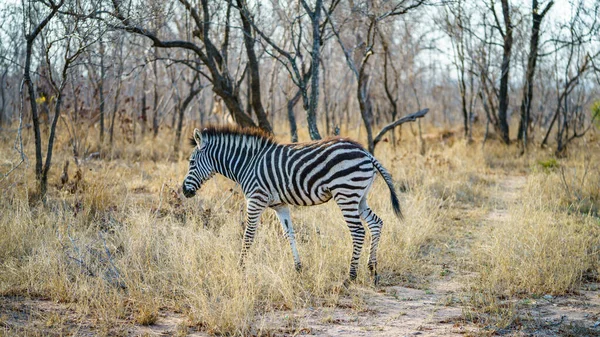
[(200, 167)]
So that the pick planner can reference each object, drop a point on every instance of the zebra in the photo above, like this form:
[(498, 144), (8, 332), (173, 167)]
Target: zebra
[(274, 175)]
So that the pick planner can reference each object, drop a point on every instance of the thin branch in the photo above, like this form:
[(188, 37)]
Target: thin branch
[(409, 118)]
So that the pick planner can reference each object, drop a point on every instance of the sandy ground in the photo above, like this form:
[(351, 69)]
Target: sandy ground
[(436, 309)]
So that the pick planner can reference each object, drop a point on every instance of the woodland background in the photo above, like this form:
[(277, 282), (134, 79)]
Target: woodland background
[(499, 181), (525, 71)]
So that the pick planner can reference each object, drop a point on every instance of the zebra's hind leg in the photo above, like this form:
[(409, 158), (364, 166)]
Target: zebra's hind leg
[(349, 207), (375, 224), (283, 213), (255, 206)]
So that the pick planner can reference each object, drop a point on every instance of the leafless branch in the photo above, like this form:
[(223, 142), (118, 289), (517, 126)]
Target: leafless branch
[(408, 118)]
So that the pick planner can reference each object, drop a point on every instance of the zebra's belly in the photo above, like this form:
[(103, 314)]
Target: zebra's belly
[(301, 197)]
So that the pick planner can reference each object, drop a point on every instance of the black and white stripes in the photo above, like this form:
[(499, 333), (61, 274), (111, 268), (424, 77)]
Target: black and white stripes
[(277, 175)]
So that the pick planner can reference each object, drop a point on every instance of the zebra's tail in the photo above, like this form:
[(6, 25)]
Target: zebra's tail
[(388, 180)]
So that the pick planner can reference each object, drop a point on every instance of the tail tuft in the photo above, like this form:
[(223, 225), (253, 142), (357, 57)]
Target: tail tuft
[(396, 204), (388, 180)]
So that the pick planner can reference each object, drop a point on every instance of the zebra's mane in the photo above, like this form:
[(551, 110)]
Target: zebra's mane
[(256, 133), (221, 130)]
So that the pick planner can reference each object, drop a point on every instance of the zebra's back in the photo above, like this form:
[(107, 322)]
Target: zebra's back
[(312, 173)]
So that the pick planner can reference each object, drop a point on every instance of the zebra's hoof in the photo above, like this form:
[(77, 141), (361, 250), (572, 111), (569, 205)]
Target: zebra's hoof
[(376, 279), (346, 283), (349, 280), (298, 267)]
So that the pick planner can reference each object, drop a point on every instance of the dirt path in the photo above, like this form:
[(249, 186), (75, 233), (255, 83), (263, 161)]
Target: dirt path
[(505, 196), (392, 311)]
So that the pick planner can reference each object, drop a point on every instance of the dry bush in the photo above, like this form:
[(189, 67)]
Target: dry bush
[(539, 246), (537, 252), (540, 249), (572, 184), (405, 243), (455, 175)]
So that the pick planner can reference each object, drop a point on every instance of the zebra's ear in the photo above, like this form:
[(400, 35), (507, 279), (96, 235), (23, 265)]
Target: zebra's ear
[(197, 136)]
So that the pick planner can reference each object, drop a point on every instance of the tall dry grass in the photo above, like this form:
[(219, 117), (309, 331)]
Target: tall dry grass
[(120, 245), (548, 242)]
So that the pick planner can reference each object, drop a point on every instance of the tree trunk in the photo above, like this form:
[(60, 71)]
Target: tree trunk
[(254, 74), (529, 74), (193, 92), (291, 117), (463, 97), (180, 126), (506, 55), (366, 109), (233, 103), (144, 114), (115, 110), (34, 111), (41, 173), (248, 96), (155, 115), (201, 110), (3, 97), (311, 117), (388, 92), (118, 94), (101, 90), (48, 162), (30, 38), (326, 103)]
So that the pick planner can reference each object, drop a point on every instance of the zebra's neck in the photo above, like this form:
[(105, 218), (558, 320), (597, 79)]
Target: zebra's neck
[(234, 156)]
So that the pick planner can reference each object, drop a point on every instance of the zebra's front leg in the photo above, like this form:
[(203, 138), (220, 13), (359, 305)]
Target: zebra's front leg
[(283, 213), (255, 206)]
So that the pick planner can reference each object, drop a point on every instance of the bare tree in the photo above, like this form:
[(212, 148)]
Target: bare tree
[(253, 66), (32, 31), (293, 60), (155, 106), (214, 59), (315, 20), (143, 103), (97, 68), (456, 25), (118, 70), (70, 48), (381, 65), (195, 88), (10, 55), (576, 48), (507, 37), (536, 17), (391, 93), (358, 57)]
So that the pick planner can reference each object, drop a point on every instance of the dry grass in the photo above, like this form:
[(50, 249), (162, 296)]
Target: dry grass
[(537, 252), (546, 244), (121, 246), (551, 237)]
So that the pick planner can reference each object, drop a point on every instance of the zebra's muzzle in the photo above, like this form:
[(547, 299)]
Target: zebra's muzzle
[(188, 193)]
